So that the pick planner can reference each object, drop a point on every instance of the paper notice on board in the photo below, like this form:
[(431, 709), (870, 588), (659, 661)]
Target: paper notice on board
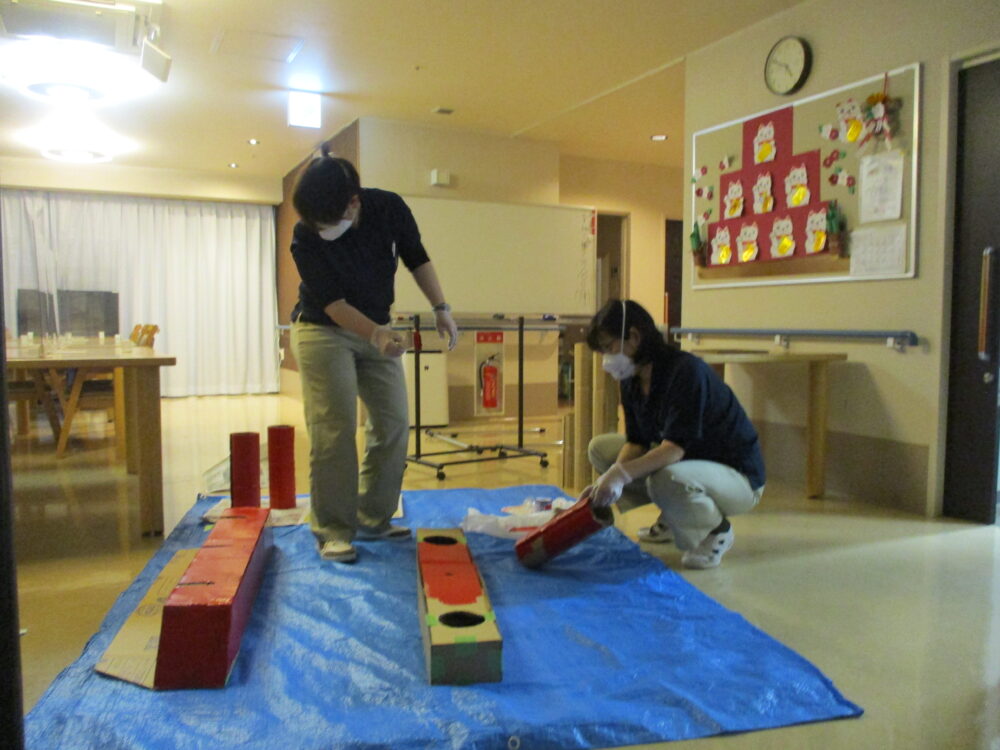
[(879, 250), (881, 186)]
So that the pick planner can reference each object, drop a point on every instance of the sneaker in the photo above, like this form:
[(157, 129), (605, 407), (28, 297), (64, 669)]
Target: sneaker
[(342, 552), (391, 531), (658, 533), (709, 553)]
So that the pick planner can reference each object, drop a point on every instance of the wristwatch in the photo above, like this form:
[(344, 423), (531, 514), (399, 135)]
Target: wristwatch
[(442, 307)]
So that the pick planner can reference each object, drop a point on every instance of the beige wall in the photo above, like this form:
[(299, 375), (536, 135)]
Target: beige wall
[(399, 156), (44, 174), (648, 195), (879, 394)]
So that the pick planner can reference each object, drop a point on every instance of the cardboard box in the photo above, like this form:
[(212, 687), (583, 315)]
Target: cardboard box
[(462, 644)]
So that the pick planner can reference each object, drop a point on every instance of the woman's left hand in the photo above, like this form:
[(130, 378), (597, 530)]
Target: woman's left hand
[(445, 325)]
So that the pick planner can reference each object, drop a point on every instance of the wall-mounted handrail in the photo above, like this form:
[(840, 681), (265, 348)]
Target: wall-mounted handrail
[(897, 339)]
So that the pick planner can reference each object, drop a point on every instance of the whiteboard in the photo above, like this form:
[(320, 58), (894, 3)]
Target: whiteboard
[(504, 257)]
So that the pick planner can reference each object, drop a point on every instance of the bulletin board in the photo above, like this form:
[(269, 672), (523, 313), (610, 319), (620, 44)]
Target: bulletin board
[(823, 189), (505, 257)]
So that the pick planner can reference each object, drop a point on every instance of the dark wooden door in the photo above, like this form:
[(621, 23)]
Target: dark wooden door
[(971, 451), (674, 267)]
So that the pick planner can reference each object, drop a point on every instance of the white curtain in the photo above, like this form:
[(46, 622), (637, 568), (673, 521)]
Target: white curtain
[(203, 272)]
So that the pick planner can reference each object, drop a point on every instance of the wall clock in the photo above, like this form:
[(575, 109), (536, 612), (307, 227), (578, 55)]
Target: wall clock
[(787, 66)]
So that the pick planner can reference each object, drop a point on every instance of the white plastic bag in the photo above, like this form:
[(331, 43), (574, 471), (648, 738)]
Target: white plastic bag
[(512, 526)]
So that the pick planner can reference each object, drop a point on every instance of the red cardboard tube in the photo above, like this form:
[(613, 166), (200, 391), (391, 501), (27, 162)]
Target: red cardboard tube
[(281, 465), (244, 469), (565, 530)]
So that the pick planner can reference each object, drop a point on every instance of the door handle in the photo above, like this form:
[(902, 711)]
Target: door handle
[(986, 332)]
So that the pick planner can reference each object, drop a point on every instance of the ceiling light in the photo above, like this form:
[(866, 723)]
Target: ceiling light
[(74, 134), (658, 137), (65, 70), (253, 142), (304, 109), (233, 165), (443, 111)]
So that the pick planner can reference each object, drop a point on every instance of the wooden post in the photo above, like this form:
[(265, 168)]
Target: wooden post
[(611, 400), (597, 426), (583, 408), (816, 429), (605, 417), (568, 450), (120, 423)]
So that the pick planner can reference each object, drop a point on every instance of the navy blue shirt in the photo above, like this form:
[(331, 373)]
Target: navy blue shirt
[(691, 406), (360, 265)]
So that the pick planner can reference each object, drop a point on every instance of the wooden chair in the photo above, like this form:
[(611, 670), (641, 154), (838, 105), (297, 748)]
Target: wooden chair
[(27, 388), (147, 335), (90, 390)]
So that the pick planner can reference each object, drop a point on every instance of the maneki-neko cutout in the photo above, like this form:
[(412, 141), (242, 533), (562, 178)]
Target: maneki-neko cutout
[(763, 197), (851, 121), (816, 232), (764, 146), (722, 247), (782, 238), (797, 186), (733, 200), (747, 243)]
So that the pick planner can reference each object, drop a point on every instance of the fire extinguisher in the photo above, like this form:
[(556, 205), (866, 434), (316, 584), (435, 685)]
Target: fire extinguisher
[(489, 376)]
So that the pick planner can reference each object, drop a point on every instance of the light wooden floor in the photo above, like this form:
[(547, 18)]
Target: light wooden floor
[(903, 614)]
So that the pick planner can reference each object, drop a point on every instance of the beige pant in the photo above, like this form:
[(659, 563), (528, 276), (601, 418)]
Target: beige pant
[(693, 496), (336, 367)]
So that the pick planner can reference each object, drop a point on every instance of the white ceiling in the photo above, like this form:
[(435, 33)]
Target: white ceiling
[(597, 77)]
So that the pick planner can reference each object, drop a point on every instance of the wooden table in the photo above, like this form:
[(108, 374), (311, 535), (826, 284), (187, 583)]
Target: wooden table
[(818, 406), (141, 374)]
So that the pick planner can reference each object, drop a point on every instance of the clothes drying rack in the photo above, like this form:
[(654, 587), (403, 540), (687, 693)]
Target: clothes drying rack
[(500, 451)]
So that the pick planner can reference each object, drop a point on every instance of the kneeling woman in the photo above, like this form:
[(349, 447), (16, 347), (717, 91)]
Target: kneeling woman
[(688, 445)]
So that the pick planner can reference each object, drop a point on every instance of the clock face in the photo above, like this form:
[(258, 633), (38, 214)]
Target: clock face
[(787, 65)]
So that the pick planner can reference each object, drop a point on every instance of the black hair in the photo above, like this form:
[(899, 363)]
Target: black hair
[(608, 321), (324, 189)]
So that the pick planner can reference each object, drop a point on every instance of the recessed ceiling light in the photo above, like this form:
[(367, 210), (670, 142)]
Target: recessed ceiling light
[(75, 134), (658, 137), (65, 70), (233, 165), (253, 142)]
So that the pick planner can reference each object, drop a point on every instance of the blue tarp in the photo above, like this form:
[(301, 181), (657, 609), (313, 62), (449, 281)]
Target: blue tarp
[(604, 646)]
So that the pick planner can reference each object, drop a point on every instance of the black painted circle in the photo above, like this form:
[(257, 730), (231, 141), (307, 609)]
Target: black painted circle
[(443, 540), (460, 619)]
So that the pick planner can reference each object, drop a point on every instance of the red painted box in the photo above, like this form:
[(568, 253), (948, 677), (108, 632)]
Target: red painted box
[(205, 615)]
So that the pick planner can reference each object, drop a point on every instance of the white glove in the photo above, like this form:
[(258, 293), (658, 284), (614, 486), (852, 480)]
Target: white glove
[(388, 342), (608, 487), (445, 325)]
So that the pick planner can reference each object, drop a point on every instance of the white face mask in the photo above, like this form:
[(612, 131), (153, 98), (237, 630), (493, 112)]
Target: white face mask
[(332, 233), (619, 365)]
